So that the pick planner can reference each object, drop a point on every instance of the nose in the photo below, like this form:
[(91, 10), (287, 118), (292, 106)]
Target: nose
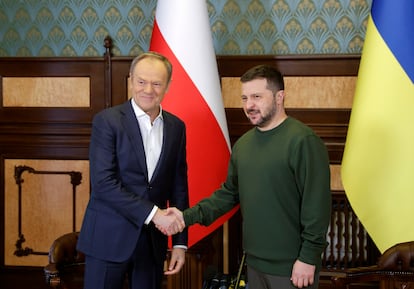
[(248, 103), (148, 87)]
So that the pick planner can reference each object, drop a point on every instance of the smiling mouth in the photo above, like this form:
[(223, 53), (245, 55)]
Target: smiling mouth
[(252, 113), (147, 97)]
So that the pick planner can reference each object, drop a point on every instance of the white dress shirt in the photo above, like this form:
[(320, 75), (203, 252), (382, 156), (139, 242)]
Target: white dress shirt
[(152, 135)]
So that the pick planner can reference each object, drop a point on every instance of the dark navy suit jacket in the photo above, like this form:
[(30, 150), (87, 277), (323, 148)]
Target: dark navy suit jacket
[(122, 196)]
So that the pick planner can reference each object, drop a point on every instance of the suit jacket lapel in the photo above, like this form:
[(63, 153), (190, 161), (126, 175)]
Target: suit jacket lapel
[(131, 126)]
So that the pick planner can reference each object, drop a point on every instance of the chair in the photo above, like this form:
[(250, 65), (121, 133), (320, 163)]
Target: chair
[(395, 269), (66, 264)]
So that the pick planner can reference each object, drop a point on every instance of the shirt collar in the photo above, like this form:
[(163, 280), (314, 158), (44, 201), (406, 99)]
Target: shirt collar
[(140, 113)]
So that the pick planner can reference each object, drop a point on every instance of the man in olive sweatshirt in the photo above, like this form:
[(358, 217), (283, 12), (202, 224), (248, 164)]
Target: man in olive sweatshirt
[(279, 174)]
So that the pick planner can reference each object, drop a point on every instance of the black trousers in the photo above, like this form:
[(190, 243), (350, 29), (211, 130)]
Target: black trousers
[(141, 271)]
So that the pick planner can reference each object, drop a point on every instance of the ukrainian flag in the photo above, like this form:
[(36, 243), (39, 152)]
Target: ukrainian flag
[(378, 162)]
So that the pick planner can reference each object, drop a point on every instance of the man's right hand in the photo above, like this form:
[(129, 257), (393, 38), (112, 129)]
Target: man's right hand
[(169, 221)]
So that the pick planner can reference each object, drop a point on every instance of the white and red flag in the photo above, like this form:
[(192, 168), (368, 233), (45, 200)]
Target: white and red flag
[(182, 33)]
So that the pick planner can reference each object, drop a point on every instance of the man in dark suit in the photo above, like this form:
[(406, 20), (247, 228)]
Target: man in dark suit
[(138, 168)]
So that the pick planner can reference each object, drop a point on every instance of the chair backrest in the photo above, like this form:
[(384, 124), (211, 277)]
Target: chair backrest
[(63, 250), (65, 260), (394, 269), (399, 257)]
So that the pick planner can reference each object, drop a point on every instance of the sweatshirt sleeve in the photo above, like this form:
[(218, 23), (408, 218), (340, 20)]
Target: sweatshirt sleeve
[(220, 202), (314, 176), (208, 210)]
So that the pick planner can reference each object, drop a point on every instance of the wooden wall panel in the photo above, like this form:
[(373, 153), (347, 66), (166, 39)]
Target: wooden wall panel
[(49, 206), (91, 68), (39, 130), (49, 92), (119, 79), (59, 134), (291, 65), (315, 92), (310, 92)]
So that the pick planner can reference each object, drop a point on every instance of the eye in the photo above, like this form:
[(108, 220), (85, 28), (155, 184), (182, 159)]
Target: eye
[(244, 98), (157, 84), (141, 82)]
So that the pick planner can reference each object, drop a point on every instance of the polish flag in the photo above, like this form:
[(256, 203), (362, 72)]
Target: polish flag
[(182, 33)]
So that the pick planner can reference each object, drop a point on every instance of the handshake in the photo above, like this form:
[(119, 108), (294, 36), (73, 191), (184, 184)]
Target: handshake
[(169, 221)]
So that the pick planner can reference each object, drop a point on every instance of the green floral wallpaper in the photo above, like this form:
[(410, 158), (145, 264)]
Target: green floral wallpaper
[(239, 27)]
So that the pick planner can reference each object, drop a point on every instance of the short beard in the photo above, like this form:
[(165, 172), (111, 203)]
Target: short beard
[(268, 116)]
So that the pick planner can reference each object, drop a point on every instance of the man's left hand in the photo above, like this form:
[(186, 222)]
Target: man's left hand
[(177, 261), (303, 275)]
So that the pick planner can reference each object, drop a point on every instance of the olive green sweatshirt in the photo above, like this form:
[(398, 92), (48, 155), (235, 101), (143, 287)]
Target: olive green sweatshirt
[(281, 180)]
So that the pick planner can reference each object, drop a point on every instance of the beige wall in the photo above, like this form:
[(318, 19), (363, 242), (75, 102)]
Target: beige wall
[(302, 91), (46, 91)]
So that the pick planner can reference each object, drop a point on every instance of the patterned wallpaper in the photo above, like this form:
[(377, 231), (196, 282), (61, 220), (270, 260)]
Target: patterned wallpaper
[(239, 27)]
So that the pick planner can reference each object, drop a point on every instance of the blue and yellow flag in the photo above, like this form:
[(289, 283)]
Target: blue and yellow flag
[(378, 162)]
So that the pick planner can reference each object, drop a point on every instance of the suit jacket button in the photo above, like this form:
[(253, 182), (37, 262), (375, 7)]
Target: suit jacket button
[(149, 187)]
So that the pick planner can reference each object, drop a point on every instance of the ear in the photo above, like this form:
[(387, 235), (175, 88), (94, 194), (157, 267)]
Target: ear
[(168, 86), (280, 96)]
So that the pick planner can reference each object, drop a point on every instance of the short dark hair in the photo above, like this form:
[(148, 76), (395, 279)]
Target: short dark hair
[(154, 55), (273, 77)]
